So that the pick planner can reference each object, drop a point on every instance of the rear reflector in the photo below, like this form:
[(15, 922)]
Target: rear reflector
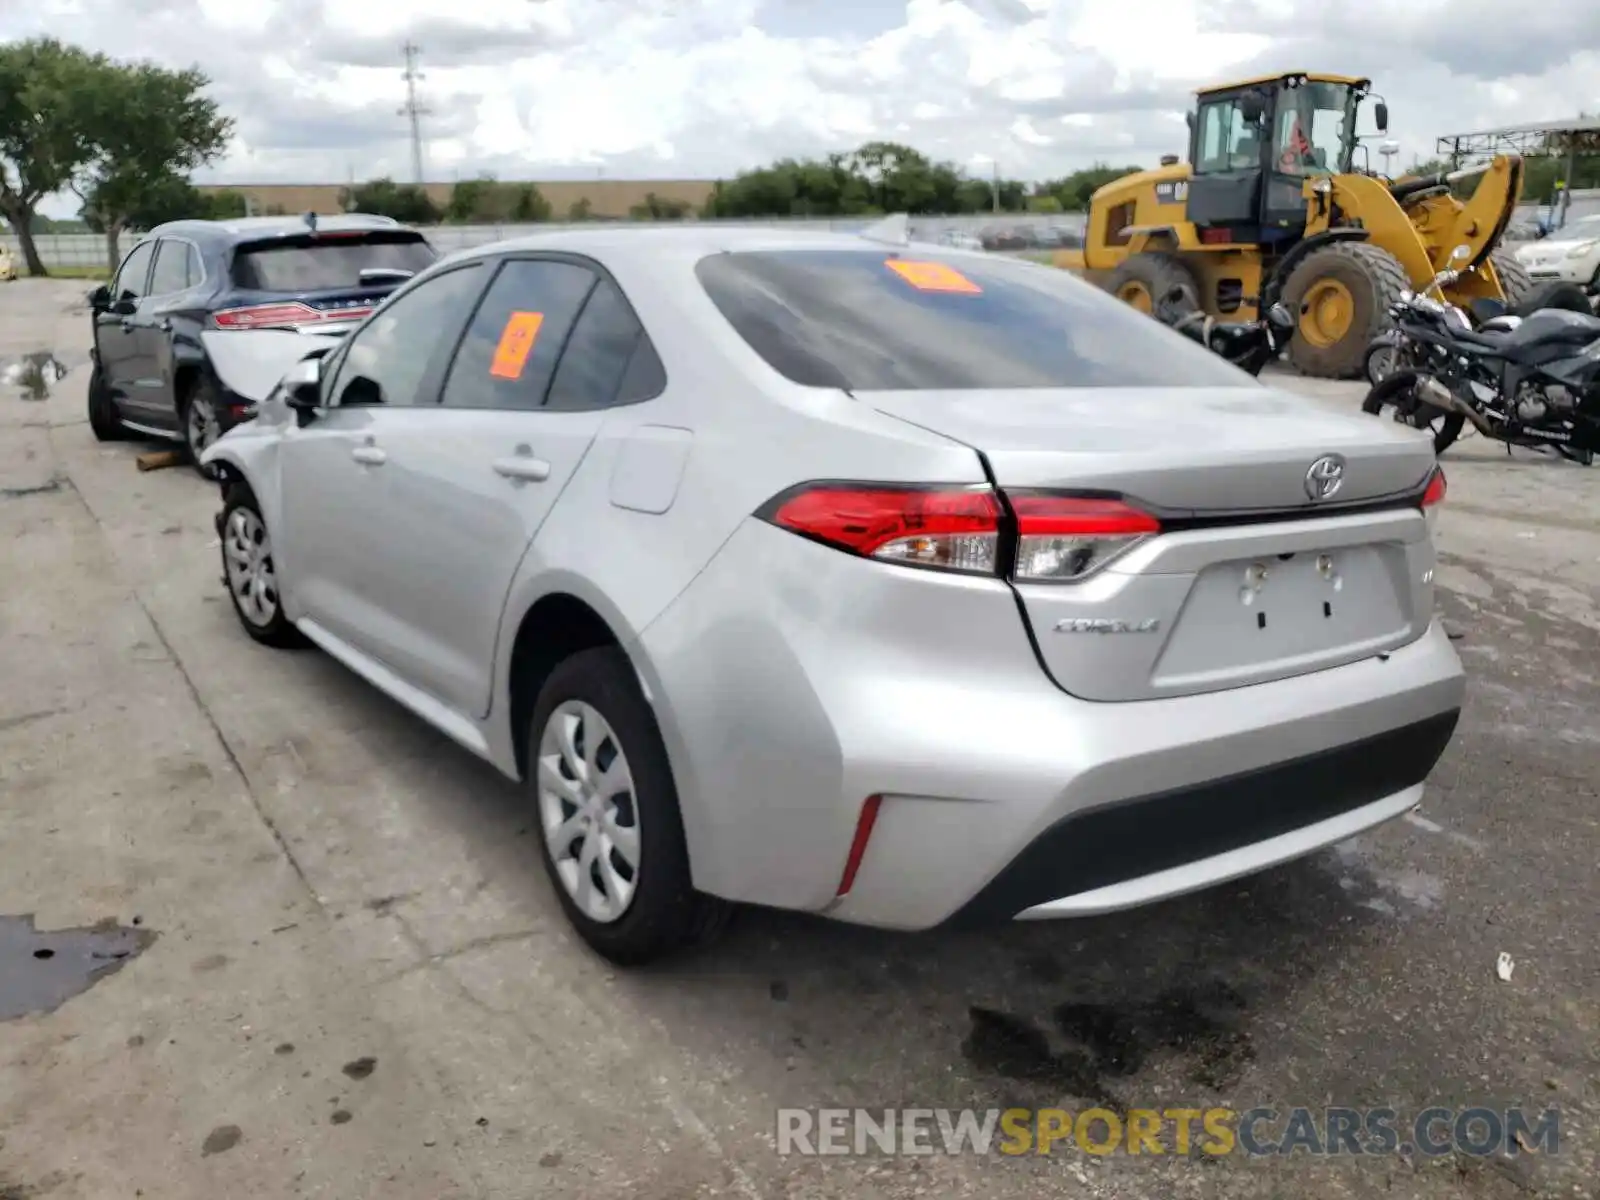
[(293, 315), (858, 844), (952, 529), (1434, 494)]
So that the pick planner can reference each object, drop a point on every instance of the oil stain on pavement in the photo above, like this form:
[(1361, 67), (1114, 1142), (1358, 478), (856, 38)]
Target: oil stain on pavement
[(42, 969)]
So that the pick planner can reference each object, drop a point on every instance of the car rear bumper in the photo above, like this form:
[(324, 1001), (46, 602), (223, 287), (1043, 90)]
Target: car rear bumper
[(792, 682)]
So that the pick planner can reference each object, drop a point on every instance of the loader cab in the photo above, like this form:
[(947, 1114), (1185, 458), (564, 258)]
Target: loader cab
[(1253, 144)]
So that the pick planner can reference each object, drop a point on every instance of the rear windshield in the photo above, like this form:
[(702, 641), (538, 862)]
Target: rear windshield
[(331, 260), (884, 320)]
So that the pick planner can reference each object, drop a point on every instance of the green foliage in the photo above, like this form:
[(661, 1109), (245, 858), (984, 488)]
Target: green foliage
[(882, 177), (580, 210), (656, 208), (485, 201), (384, 197)]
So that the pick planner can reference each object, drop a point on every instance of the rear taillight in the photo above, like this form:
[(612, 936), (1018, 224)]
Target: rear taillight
[(1057, 539), (1063, 538), (282, 316), (953, 529), (1433, 494)]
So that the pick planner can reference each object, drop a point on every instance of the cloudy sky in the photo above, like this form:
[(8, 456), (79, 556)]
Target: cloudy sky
[(563, 89)]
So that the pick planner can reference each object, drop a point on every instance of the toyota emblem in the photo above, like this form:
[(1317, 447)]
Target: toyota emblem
[(1324, 477)]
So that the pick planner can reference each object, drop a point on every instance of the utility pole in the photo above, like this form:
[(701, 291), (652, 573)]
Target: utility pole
[(413, 107)]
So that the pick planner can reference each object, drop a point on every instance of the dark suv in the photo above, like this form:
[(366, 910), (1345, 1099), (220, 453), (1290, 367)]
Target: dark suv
[(188, 281)]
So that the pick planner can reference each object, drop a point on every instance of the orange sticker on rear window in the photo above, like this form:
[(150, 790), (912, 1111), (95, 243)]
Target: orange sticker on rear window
[(933, 277), (516, 343)]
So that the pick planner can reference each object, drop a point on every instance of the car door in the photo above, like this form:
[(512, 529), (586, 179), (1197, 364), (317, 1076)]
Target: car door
[(337, 536), (116, 344), (170, 281), (472, 481)]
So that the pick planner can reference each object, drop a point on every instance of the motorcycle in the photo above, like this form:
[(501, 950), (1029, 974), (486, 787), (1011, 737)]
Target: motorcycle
[(1248, 345), (1388, 352), (1529, 380)]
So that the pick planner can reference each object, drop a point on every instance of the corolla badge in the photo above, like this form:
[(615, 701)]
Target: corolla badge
[(1325, 477), (1106, 625)]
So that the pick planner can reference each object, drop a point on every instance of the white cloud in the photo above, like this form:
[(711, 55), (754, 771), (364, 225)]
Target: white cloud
[(680, 88)]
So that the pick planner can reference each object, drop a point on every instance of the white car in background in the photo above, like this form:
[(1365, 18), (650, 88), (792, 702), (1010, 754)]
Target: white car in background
[(1570, 254), (960, 239)]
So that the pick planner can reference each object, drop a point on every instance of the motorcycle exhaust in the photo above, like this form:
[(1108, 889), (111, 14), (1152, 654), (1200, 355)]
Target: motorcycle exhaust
[(1431, 391)]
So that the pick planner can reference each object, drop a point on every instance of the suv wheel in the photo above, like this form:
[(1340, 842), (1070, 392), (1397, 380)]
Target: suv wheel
[(249, 572), (202, 424), (608, 814), (104, 420)]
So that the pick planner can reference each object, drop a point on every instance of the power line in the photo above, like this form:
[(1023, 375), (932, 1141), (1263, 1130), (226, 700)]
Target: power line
[(413, 107)]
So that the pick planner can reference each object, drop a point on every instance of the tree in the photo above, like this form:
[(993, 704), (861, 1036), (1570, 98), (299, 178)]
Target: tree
[(149, 128), (658, 208), (385, 198), (48, 93), (1073, 191), (580, 210)]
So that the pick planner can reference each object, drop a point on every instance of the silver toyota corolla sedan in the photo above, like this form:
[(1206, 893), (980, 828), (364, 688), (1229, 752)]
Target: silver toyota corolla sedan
[(900, 584)]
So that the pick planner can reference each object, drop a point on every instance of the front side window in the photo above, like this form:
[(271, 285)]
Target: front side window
[(172, 268), (130, 283), (387, 359), (874, 320)]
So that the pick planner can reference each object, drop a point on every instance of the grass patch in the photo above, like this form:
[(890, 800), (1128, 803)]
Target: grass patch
[(74, 271)]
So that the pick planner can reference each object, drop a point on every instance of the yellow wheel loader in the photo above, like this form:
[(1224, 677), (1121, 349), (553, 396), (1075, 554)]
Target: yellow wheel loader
[(1271, 207)]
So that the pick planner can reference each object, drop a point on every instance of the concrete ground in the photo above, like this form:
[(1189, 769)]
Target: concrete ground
[(342, 973)]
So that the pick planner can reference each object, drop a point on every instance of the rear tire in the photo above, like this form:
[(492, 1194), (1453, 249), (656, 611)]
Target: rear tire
[(1397, 393), (1144, 279), (619, 794), (200, 417), (1381, 360), (104, 420), (1341, 295)]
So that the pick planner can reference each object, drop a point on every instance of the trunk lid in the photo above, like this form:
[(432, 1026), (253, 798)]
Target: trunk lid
[(1250, 579)]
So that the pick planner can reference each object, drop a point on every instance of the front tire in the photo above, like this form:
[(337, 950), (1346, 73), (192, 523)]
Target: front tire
[(1341, 294), (104, 420), (1381, 361), (201, 419), (1143, 281), (250, 572), (1398, 394), (608, 814)]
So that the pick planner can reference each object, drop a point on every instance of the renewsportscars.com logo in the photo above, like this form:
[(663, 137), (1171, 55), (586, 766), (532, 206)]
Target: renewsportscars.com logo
[(1255, 1132)]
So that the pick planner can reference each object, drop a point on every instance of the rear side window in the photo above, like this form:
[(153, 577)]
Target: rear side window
[(510, 350), (596, 362), (306, 263), (877, 320)]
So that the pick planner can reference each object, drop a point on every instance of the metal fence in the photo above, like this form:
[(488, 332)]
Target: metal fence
[(88, 250)]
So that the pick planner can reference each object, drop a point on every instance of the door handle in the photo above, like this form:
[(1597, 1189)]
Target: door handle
[(127, 324), (523, 467), (372, 456), (164, 325)]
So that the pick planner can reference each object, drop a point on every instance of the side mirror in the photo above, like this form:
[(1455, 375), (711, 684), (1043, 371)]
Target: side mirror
[(1381, 112), (100, 298), (1188, 118), (301, 387), (1280, 316), (1461, 253)]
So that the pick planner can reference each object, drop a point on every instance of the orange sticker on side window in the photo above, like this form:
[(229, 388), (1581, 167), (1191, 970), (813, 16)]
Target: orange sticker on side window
[(516, 343), (933, 277)]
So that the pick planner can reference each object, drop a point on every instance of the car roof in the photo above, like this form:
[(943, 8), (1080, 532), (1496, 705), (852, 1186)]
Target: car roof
[(240, 229), (610, 242)]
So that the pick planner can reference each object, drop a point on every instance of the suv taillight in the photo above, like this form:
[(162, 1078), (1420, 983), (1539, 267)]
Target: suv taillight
[(292, 315), (1049, 538)]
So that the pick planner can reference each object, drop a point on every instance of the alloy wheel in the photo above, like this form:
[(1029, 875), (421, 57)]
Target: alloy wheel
[(202, 424), (247, 553), (587, 811)]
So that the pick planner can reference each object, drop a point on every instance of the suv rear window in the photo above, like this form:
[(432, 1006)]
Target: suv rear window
[(314, 263), (885, 320)]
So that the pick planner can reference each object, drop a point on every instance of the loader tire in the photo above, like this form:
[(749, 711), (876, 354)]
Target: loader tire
[(1341, 296), (1515, 282), (1143, 279)]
